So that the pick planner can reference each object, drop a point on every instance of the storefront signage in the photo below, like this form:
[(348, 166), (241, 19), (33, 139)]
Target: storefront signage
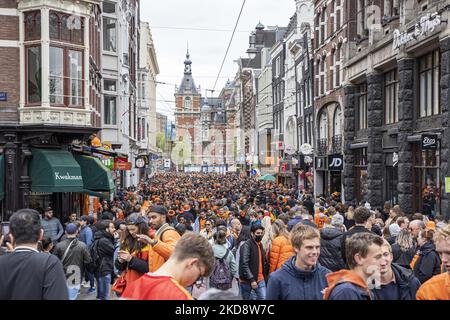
[(166, 163), (429, 141), (427, 24), (290, 150), (108, 162), (447, 184), (305, 161), (3, 96), (335, 162), (306, 149), (140, 162), (394, 159), (122, 164), (67, 176), (321, 163)]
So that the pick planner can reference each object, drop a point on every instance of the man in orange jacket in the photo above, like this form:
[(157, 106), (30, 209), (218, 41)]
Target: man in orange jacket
[(438, 287), (192, 258), (162, 239), (365, 259)]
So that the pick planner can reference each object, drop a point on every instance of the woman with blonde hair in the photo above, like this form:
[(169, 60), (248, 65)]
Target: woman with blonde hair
[(281, 246), (348, 218), (404, 249), (266, 241)]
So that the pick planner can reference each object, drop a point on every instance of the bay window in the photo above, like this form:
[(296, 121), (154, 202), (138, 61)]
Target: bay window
[(56, 75), (34, 75), (32, 25)]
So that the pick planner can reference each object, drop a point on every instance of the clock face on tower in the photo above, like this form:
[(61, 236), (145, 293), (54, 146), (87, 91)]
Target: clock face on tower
[(187, 69)]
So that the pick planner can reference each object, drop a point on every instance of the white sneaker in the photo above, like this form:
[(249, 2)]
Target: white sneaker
[(86, 285)]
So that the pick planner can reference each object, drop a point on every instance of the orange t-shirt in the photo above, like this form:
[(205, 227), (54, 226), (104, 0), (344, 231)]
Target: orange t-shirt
[(260, 268), (154, 287), (202, 224)]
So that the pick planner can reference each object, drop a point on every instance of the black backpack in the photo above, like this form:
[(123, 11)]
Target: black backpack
[(221, 277), (93, 266)]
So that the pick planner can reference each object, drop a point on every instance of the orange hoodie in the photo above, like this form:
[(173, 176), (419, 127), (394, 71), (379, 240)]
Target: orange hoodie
[(341, 276), (437, 288)]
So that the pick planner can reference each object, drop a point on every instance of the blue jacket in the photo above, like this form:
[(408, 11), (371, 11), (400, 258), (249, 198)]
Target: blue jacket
[(291, 283), (293, 222), (86, 236), (406, 286)]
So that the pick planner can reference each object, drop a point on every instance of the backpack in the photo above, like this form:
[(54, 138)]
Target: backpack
[(93, 266), (221, 277)]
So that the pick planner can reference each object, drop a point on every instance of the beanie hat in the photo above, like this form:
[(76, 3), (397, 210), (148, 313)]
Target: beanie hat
[(71, 228), (158, 209)]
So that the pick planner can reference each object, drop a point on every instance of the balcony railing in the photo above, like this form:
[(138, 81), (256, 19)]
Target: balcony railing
[(336, 144), (322, 147)]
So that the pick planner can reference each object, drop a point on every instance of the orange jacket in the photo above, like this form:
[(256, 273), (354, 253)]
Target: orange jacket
[(161, 251), (437, 288), (344, 276), (320, 219), (281, 251)]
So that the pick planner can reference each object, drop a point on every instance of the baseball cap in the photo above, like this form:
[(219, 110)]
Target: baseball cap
[(71, 228)]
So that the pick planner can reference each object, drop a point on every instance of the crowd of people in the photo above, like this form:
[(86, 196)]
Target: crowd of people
[(206, 236)]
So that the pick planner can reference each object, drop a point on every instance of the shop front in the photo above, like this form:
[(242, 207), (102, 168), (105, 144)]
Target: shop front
[(426, 174), (305, 173), (335, 167), (361, 174), (391, 178), (321, 176)]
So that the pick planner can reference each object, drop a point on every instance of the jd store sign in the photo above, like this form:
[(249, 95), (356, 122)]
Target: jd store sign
[(335, 162)]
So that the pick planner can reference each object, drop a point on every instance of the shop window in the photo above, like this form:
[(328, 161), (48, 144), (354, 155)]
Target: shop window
[(34, 75), (426, 180), (429, 77), (391, 97), (362, 107), (391, 178), (32, 21)]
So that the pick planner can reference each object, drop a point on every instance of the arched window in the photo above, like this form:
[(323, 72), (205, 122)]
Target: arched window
[(337, 122), (54, 26), (32, 25)]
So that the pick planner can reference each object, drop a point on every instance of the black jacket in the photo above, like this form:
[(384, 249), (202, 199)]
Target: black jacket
[(78, 255), (330, 249), (403, 258), (428, 264), (106, 250), (407, 284), (309, 204), (249, 264), (29, 275), (354, 230)]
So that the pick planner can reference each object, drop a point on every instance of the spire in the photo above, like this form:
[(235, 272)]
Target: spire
[(187, 62)]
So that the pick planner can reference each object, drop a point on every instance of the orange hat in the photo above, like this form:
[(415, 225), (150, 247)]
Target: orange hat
[(431, 225), (171, 213), (242, 213)]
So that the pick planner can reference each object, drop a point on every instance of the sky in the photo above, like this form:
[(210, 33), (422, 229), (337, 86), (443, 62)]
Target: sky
[(169, 23)]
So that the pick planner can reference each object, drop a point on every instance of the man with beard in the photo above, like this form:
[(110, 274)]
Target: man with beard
[(162, 238)]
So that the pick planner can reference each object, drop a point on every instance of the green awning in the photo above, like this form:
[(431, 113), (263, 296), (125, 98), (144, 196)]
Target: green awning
[(96, 176), (101, 195), (2, 176), (55, 171)]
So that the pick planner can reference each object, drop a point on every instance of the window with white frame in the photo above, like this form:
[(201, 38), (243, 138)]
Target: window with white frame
[(187, 103), (110, 102), (391, 97), (429, 77), (362, 106), (110, 34)]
